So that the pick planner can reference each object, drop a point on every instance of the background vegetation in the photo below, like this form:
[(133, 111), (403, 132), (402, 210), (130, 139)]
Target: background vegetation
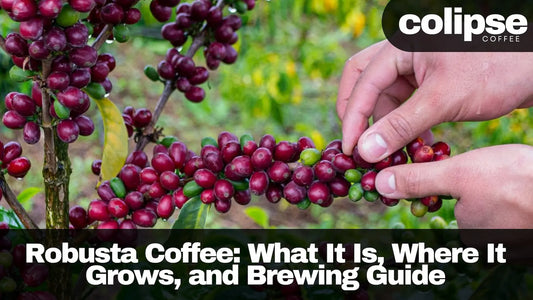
[(291, 55)]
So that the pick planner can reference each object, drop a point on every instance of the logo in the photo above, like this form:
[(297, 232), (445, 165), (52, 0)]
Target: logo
[(459, 26)]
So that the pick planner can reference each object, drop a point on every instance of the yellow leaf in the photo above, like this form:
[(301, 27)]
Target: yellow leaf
[(115, 141), (318, 139)]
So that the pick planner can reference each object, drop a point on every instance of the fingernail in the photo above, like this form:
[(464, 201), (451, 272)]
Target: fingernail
[(374, 146), (386, 183)]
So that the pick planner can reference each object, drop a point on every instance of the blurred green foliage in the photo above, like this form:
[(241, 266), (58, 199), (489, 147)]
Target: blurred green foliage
[(291, 56)]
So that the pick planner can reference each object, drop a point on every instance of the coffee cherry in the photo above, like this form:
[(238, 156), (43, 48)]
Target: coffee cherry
[(318, 193), (99, 72), (384, 163), (32, 29), (96, 167), (195, 94), (330, 153), (160, 12), (138, 158), (178, 153), (82, 5), (368, 181), (12, 150), (55, 39), (199, 76), (441, 148), (413, 146), (117, 208), (37, 50), (353, 175), (222, 205), (279, 172), (142, 117), (303, 175), (85, 57), (310, 156), (199, 10), (144, 217), (418, 209), (224, 34), (130, 176), (223, 189), (230, 151), (359, 161), (342, 162), (356, 192), (261, 159), (58, 80), (324, 171), (77, 217), (19, 167), (243, 197), (399, 158), (134, 200), (259, 183), (294, 193), (23, 105), (77, 35), (192, 165), (179, 198), (208, 196), (214, 16), (429, 200), (132, 16), (231, 53), (339, 186), (111, 13), (205, 178), (35, 275), (98, 210), (242, 166), (165, 207), (23, 10), (156, 190), (68, 131), (169, 180), (72, 98), (174, 34), (388, 201), (284, 151), (50, 8), (423, 154), (105, 192), (436, 206), (13, 120), (31, 133)]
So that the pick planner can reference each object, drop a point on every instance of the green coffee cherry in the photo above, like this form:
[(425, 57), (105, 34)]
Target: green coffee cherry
[(121, 33), (95, 90), (437, 222), (418, 209), (245, 138), (192, 189), (353, 175), (118, 187), (304, 204), (371, 196), (355, 193), (168, 140), (209, 141), (151, 73), (310, 156), (68, 16)]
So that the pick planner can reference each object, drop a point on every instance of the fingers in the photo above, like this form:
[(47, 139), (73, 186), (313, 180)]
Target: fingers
[(392, 98), (418, 180), (402, 125), (352, 70), (379, 75)]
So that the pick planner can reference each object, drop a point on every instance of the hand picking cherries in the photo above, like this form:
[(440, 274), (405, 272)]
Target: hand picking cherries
[(206, 22), (230, 170)]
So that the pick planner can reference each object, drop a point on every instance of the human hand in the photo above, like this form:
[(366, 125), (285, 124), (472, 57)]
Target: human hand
[(493, 186), (449, 87)]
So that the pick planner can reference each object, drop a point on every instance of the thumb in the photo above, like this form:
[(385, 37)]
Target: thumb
[(402, 125), (418, 180)]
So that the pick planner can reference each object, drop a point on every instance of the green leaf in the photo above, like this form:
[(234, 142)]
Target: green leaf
[(258, 215), (192, 215), (115, 141), (10, 218), (26, 195)]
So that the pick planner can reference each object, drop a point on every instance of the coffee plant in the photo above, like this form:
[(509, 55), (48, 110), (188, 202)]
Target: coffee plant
[(58, 48)]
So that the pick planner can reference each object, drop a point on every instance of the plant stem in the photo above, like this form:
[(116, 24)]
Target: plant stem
[(56, 168), (15, 205), (169, 88), (102, 37)]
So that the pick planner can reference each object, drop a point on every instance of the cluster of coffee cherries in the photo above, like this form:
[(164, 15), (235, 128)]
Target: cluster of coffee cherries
[(11, 160), (136, 119), (219, 31), (56, 32), (116, 13), (18, 279), (231, 169)]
